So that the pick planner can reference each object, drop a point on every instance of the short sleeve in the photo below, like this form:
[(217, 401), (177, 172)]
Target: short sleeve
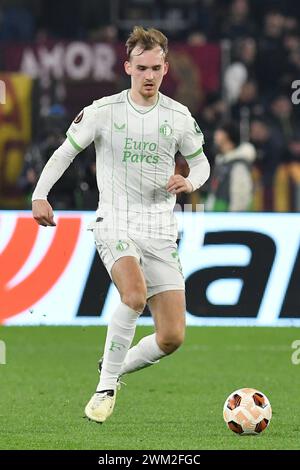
[(192, 139), (82, 130)]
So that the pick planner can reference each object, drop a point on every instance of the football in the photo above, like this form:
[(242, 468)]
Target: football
[(247, 411)]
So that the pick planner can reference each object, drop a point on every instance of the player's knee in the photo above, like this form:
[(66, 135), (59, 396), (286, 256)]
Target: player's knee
[(135, 300), (169, 343)]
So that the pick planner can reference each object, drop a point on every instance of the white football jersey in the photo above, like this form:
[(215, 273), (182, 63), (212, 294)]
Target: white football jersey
[(135, 157)]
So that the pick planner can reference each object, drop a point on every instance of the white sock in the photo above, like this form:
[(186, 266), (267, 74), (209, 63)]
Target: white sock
[(120, 333), (143, 354)]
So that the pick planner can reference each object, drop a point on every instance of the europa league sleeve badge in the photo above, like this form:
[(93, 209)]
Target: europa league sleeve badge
[(79, 117)]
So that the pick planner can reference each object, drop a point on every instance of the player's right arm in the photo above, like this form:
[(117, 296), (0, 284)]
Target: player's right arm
[(80, 134)]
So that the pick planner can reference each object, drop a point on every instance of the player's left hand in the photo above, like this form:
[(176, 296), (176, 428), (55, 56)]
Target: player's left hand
[(178, 184)]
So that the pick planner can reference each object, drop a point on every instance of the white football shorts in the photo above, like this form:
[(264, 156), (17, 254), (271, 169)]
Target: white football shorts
[(158, 259)]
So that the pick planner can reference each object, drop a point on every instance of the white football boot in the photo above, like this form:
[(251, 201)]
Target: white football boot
[(101, 405)]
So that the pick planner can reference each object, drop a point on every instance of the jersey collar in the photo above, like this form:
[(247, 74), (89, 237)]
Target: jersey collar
[(130, 102)]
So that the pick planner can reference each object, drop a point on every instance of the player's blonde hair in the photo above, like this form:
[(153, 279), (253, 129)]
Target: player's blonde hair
[(147, 39)]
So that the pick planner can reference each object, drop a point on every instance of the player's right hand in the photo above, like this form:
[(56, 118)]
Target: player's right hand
[(42, 213)]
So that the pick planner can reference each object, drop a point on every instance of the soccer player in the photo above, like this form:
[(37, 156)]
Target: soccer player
[(136, 134)]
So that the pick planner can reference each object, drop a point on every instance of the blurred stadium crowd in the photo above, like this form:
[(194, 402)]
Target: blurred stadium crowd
[(260, 61)]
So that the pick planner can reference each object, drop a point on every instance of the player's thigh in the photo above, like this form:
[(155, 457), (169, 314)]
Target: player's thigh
[(122, 261), (162, 267), (128, 277), (168, 311)]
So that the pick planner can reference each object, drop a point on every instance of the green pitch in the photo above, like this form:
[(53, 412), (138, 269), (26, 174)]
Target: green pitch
[(51, 373)]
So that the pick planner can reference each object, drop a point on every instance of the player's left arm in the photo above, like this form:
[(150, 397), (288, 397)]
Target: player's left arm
[(191, 147)]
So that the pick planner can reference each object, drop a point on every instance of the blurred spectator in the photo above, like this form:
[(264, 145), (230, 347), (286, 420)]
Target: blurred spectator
[(107, 33), (282, 119), (231, 187), (291, 67), (212, 114), (66, 191), (196, 38), (248, 98), (292, 153), (62, 18), (272, 56), (269, 152), (242, 68), (205, 18), (239, 22), (16, 24)]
